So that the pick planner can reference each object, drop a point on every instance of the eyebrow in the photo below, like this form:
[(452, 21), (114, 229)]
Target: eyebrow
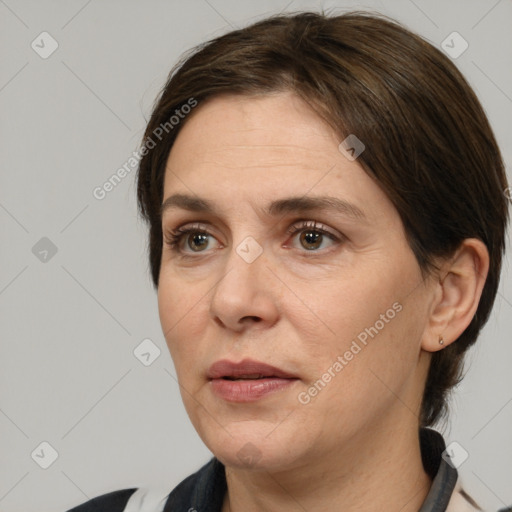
[(294, 204)]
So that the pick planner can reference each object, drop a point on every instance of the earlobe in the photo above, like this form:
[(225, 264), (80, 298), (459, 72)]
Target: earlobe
[(457, 294), (434, 343)]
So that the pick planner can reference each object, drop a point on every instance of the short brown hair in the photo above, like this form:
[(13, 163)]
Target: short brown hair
[(428, 142)]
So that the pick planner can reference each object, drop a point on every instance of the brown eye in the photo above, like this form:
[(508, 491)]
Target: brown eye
[(311, 239), (311, 236), (189, 239), (197, 241)]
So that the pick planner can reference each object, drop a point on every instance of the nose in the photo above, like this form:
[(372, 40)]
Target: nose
[(246, 294)]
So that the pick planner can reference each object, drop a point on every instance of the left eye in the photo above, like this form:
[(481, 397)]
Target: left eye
[(197, 239), (311, 236)]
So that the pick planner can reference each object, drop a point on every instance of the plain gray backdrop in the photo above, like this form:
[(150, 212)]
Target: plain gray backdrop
[(75, 293)]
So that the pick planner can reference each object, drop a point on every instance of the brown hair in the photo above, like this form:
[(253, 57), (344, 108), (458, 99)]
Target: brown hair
[(428, 141)]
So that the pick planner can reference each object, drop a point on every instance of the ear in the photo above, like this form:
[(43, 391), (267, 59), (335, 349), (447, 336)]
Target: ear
[(457, 292)]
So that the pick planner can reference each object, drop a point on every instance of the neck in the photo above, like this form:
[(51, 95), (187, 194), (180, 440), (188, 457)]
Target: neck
[(378, 469)]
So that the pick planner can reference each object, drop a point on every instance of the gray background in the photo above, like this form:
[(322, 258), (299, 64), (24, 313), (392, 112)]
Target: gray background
[(70, 324)]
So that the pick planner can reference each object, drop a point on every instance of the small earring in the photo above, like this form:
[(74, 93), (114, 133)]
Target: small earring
[(441, 341)]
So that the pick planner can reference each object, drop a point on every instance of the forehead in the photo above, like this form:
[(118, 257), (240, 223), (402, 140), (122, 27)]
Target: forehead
[(268, 146), (264, 129)]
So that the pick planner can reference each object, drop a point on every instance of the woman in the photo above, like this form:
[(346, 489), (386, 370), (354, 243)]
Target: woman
[(327, 214)]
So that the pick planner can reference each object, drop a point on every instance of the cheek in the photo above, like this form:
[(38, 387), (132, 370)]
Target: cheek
[(360, 381), (182, 312), (346, 307), (369, 318)]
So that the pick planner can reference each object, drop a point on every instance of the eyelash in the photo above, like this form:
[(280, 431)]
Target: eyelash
[(173, 237)]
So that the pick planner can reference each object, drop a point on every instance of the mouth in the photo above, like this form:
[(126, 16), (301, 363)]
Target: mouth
[(248, 369), (248, 377), (248, 380)]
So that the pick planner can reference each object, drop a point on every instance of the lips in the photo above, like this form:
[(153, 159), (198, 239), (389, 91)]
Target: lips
[(246, 369), (248, 380)]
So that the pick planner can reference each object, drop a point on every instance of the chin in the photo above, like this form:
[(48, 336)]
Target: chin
[(247, 448)]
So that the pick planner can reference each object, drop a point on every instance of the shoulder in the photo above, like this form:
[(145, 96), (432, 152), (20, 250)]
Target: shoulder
[(461, 501), (204, 489), (139, 499), (447, 492), (114, 501)]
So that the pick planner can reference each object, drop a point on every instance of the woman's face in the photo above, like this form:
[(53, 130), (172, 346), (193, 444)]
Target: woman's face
[(340, 307)]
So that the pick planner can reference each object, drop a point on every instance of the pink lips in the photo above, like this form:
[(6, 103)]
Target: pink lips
[(248, 380)]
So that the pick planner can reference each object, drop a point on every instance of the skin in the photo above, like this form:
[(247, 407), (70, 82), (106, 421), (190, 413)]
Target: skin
[(356, 442)]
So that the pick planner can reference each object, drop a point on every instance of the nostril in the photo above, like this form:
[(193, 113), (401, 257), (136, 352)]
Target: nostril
[(254, 318)]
